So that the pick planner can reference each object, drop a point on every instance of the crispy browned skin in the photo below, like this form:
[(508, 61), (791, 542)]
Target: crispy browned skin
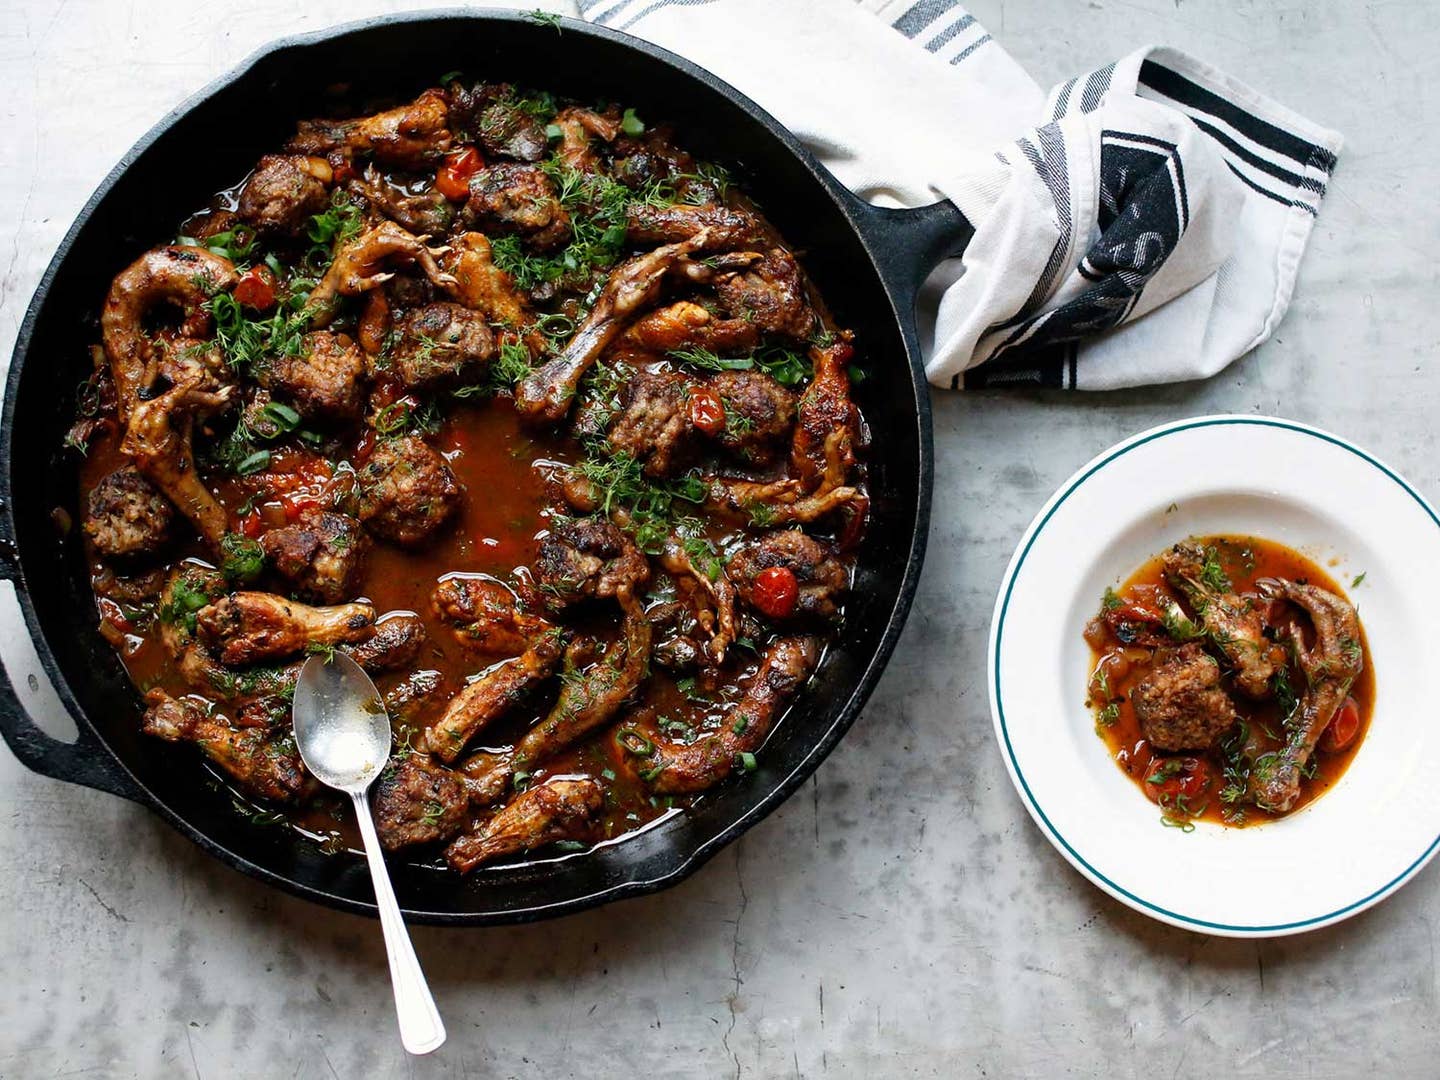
[(668, 224), (1235, 623), (394, 645), (652, 425), (487, 616), (325, 382), (680, 325), (490, 113), (547, 392), (1331, 665), (418, 802), (486, 776), (592, 696), (410, 136), (284, 191), (407, 490), (246, 627), (490, 696), (264, 763), (481, 285), (1180, 704), (126, 516), (322, 555), (681, 769), (554, 810)]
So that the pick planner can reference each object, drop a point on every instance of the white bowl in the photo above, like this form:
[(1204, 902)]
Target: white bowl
[(1280, 480)]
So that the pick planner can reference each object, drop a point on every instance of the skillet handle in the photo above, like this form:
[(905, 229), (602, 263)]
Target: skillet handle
[(85, 761), (909, 244)]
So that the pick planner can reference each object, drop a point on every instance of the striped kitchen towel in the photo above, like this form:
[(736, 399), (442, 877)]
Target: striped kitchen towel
[(1143, 223)]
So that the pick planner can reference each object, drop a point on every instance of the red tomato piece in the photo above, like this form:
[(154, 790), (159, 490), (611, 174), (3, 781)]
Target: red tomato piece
[(1343, 728), (256, 288), (1173, 779), (776, 592), (453, 179), (251, 525), (707, 411)]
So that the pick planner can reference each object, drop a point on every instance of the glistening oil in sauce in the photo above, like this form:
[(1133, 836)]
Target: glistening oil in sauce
[(1245, 560)]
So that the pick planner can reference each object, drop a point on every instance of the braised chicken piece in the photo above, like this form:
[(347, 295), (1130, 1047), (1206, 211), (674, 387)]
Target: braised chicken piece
[(671, 768), (322, 555), (265, 764), (508, 197), (418, 802), (425, 213), (324, 382), (127, 517), (770, 294), (410, 136), (441, 344), (555, 810), (486, 616), (284, 191), (248, 626), (407, 490), (493, 693), (1180, 704), (1331, 665), (586, 558), (590, 697), (495, 117), (482, 286), (1235, 623), (821, 579), (759, 415), (668, 224), (374, 401), (547, 392)]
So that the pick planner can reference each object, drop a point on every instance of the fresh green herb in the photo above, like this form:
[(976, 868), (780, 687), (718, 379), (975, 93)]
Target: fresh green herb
[(653, 771), (521, 780), (1184, 824), (631, 124), (243, 559), (1107, 716), (544, 18), (1212, 573), (569, 845), (1178, 625), (1351, 648), (741, 723), (318, 648), (236, 244), (745, 760), (340, 222), (635, 743), (785, 366), (608, 774), (1285, 696), (652, 507), (762, 514), (1111, 600), (434, 811), (256, 462), (1359, 578)]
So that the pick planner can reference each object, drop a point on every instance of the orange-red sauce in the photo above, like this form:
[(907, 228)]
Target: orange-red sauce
[(1245, 560)]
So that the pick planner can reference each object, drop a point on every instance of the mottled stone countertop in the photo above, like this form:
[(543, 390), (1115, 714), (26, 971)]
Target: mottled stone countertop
[(901, 915)]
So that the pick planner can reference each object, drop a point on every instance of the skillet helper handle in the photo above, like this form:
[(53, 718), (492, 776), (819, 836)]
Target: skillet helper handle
[(85, 761), (909, 244)]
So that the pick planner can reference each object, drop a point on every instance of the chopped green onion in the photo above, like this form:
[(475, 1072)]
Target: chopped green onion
[(260, 459), (631, 124), (746, 760)]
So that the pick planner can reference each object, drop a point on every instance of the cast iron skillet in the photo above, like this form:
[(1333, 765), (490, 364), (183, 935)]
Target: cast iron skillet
[(868, 263)]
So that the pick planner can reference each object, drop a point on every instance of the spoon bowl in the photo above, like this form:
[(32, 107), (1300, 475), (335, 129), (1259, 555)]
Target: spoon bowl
[(343, 734)]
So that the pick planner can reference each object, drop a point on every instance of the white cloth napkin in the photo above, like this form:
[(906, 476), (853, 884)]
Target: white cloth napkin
[(1143, 224)]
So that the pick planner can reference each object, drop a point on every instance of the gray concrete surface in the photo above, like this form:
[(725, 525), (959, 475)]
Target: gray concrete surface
[(901, 917)]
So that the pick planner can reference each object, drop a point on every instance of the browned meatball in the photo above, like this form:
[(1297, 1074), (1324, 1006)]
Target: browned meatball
[(325, 382), (491, 113), (418, 802), (322, 555), (770, 294), (652, 425), (822, 578), (518, 199), (126, 516), (407, 490), (284, 191), (759, 414), (442, 343), (587, 557), (1180, 704)]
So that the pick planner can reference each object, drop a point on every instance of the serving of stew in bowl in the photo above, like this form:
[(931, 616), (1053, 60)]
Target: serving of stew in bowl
[(1208, 679)]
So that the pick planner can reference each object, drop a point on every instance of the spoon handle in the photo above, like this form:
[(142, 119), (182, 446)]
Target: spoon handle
[(421, 1029)]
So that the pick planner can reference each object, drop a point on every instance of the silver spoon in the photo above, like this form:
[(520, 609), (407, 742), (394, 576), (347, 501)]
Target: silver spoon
[(344, 739)]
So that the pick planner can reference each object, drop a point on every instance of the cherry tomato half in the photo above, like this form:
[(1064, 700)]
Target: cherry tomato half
[(453, 179), (256, 288), (776, 592), (707, 411), (1341, 730), (1172, 779), (252, 525)]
